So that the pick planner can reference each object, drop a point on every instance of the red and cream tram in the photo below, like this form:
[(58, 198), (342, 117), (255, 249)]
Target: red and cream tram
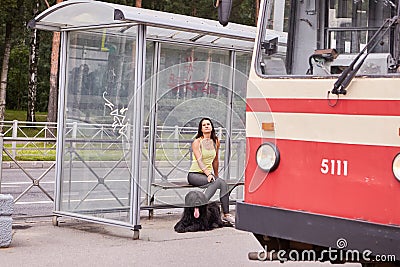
[(322, 175)]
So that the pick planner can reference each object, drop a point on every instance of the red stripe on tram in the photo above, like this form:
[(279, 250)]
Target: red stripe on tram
[(321, 106)]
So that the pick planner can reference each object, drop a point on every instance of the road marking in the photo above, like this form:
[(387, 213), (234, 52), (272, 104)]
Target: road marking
[(33, 202)]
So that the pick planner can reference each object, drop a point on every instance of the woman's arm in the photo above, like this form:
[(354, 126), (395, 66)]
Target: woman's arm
[(215, 163)]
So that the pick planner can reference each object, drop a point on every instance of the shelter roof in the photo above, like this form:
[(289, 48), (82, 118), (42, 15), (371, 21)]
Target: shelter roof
[(89, 14)]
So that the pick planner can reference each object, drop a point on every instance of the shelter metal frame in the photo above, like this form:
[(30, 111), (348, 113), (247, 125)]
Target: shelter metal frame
[(87, 15)]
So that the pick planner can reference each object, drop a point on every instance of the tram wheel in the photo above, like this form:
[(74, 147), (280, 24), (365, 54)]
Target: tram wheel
[(272, 242)]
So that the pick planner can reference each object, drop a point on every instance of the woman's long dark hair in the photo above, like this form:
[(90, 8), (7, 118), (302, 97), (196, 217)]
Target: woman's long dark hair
[(213, 135)]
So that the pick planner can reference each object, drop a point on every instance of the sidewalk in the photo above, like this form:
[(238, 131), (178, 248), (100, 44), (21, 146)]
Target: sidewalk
[(79, 243)]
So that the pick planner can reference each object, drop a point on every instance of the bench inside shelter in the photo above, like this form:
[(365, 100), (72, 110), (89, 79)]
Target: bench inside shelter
[(168, 185)]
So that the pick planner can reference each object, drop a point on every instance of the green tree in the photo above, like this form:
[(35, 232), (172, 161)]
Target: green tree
[(9, 10), (243, 11), (33, 69), (14, 16)]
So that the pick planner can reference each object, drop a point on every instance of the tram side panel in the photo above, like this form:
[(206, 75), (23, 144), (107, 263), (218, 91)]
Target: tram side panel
[(335, 169)]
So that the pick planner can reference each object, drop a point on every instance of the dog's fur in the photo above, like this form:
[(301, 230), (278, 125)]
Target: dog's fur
[(210, 214)]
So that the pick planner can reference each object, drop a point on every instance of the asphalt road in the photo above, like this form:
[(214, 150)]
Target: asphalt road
[(34, 202)]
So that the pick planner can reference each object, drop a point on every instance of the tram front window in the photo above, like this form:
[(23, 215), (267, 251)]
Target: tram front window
[(321, 38), (352, 23)]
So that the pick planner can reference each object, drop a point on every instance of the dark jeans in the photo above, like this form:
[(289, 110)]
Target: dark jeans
[(200, 180)]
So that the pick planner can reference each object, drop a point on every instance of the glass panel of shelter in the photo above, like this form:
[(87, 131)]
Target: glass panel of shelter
[(190, 86), (97, 146), (193, 82), (238, 136), (148, 107)]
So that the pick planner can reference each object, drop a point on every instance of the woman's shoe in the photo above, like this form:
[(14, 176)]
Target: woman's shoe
[(228, 218)]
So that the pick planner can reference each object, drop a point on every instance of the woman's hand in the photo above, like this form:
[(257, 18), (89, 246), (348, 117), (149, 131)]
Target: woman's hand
[(210, 178)]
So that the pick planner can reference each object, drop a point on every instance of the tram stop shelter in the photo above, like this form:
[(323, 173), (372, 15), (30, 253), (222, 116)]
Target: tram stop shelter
[(133, 85)]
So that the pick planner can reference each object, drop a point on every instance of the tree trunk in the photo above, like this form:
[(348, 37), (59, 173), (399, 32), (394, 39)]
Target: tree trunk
[(4, 72), (53, 94), (138, 3), (33, 63), (257, 11), (52, 105)]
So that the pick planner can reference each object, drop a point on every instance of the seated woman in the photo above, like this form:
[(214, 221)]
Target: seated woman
[(204, 169)]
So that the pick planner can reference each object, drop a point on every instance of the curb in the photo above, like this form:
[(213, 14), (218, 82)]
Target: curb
[(27, 164)]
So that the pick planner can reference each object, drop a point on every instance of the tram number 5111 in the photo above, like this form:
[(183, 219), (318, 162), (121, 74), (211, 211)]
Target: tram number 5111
[(334, 167)]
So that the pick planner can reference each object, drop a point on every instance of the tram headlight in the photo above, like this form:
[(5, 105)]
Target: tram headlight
[(396, 167), (267, 157)]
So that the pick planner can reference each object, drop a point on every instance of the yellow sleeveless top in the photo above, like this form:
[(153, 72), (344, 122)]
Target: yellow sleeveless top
[(207, 158)]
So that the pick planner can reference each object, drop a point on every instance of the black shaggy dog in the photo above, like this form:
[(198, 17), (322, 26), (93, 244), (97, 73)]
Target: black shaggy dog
[(198, 215)]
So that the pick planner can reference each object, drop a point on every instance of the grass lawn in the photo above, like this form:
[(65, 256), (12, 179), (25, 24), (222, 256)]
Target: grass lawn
[(39, 151), (20, 115), (24, 129)]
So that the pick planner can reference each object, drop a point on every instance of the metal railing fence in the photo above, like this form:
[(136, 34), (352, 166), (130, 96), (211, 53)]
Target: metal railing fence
[(36, 141)]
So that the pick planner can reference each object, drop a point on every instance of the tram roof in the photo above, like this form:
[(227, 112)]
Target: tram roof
[(88, 14)]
